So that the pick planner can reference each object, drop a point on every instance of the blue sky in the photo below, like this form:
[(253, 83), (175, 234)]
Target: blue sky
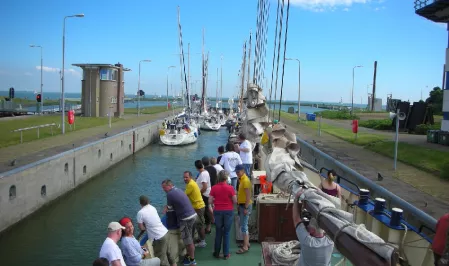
[(328, 36)]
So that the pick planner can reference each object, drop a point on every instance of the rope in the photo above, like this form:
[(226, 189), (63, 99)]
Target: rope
[(286, 253), (274, 53), (283, 63), (278, 57)]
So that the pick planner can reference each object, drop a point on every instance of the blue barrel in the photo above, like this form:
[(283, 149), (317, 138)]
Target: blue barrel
[(396, 217), (379, 205), (312, 117)]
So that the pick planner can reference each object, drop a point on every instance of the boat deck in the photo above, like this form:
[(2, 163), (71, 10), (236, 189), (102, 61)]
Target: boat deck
[(252, 257)]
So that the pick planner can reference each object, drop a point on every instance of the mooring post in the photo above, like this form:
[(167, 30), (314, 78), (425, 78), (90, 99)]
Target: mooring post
[(21, 136)]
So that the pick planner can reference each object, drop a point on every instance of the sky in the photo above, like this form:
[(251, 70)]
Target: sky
[(329, 37)]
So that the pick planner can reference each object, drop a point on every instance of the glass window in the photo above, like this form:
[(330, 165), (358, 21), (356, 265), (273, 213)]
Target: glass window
[(108, 74)]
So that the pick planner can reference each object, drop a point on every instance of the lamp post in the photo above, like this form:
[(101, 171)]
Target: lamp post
[(138, 87), (299, 86), (168, 69), (352, 91), (62, 70), (42, 96)]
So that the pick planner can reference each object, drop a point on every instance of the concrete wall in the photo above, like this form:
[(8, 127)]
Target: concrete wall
[(64, 172)]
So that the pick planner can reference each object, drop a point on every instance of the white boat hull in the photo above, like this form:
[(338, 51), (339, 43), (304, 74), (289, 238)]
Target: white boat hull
[(210, 126), (180, 139)]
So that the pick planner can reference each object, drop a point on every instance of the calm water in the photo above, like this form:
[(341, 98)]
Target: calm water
[(72, 230)]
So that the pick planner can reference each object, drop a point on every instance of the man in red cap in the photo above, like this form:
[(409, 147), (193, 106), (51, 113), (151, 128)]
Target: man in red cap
[(133, 253)]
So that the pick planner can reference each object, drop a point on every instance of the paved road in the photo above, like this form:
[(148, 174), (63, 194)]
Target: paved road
[(423, 190), (33, 151)]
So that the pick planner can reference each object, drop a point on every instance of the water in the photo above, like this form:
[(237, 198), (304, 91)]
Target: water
[(72, 230)]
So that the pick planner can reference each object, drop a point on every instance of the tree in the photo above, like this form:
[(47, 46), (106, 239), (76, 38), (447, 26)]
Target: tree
[(435, 100)]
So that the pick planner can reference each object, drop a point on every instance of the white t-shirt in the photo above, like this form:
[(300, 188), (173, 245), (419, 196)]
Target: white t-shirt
[(204, 177), (219, 168), (247, 157), (229, 161), (111, 251), (148, 215)]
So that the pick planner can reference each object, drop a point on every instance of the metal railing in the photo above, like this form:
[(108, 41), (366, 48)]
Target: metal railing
[(35, 127), (361, 181)]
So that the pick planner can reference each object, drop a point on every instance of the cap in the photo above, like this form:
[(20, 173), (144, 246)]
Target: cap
[(124, 221), (239, 167), (114, 226), (275, 121)]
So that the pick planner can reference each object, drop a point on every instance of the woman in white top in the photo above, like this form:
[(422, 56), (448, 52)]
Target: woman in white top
[(229, 160)]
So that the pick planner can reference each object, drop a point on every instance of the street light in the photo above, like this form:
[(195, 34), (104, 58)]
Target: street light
[(299, 86), (352, 92), (138, 88), (42, 99), (62, 70), (168, 69)]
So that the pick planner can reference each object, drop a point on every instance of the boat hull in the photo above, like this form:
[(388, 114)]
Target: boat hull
[(179, 139)]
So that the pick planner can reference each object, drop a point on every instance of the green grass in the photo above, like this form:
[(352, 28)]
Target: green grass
[(12, 138), (426, 159), (148, 110), (340, 115), (33, 102), (382, 124)]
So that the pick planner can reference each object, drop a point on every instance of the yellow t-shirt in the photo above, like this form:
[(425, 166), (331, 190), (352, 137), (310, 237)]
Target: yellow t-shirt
[(194, 194), (244, 183), (265, 138)]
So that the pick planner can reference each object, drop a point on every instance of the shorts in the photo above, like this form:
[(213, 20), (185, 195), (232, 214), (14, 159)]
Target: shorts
[(200, 221), (186, 228), (244, 218), (206, 209), (176, 246)]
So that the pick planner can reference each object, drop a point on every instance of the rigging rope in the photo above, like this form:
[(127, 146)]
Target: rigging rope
[(286, 253), (283, 64), (278, 57), (256, 49), (274, 53)]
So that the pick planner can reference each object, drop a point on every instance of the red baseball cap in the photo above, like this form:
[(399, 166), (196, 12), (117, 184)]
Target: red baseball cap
[(124, 221)]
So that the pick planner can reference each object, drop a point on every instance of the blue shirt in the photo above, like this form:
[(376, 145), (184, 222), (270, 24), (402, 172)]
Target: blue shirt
[(178, 201), (131, 250)]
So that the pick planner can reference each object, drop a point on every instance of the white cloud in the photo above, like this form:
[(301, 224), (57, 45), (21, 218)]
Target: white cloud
[(346, 9), (28, 74), (318, 5), (56, 70)]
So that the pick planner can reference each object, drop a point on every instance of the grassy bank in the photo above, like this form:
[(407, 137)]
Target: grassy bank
[(32, 102), (12, 138), (425, 159), (340, 115), (429, 160)]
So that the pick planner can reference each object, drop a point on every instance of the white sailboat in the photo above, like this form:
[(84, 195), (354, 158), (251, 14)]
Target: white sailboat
[(178, 134)]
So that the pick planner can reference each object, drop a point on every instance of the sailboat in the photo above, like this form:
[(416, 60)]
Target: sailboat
[(183, 129)]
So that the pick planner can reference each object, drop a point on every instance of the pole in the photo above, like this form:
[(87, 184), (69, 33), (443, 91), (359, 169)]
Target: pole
[(42, 95), (299, 92), (216, 94), (396, 140), (138, 92), (62, 79), (352, 92), (374, 86), (319, 126), (167, 88)]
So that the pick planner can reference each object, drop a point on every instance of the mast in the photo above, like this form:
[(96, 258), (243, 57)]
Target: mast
[(221, 83), (216, 93), (188, 75), (203, 73), (182, 60), (249, 59), (243, 78)]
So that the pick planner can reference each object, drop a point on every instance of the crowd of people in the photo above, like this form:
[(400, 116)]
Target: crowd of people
[(221, 185)]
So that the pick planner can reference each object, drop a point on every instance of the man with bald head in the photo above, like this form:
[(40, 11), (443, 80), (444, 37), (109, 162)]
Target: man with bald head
[(109, 249)]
